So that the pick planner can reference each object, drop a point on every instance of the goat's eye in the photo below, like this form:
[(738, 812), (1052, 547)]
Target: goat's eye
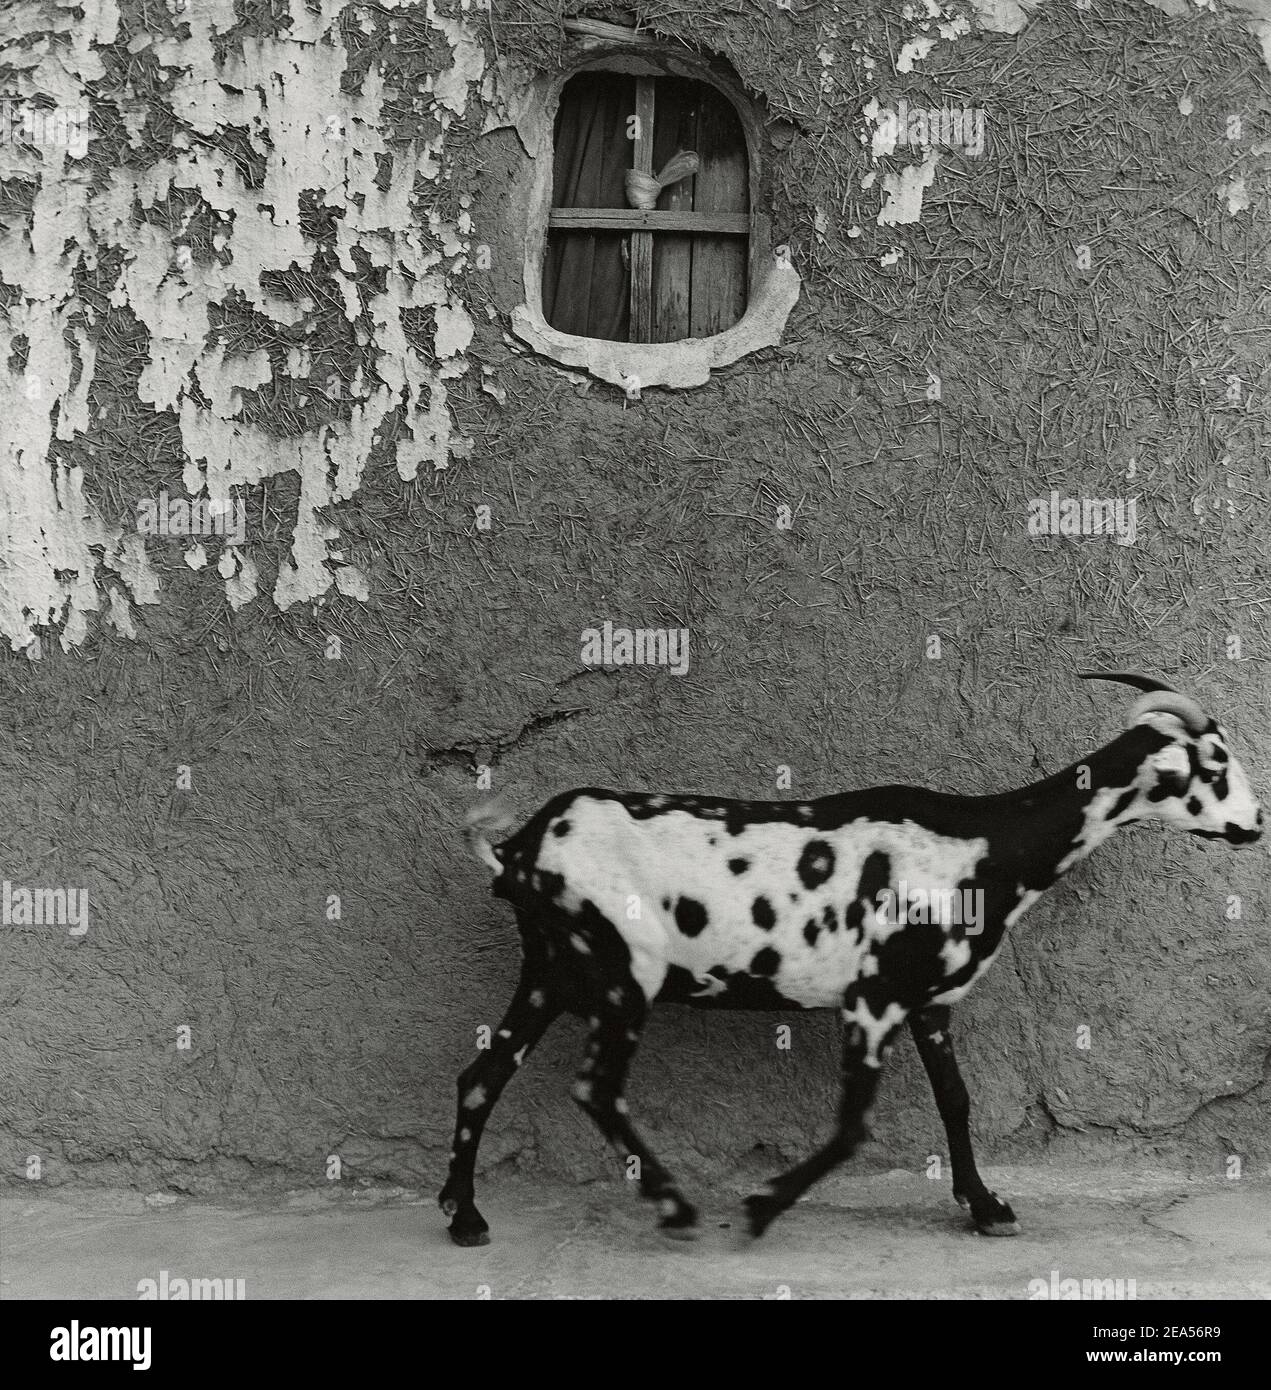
[(1213, 758), (1168, 783)]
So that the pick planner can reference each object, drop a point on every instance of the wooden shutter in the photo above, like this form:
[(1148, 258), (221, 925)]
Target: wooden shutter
[(677, 271), (699, 279)]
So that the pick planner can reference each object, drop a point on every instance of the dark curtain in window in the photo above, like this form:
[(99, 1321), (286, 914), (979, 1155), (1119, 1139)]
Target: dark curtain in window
[(586, 279)]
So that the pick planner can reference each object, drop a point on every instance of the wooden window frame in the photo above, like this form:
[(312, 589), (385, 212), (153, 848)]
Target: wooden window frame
[(643, 224), (772, 283)]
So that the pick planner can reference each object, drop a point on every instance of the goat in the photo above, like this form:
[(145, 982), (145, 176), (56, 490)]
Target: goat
[(624, 900)]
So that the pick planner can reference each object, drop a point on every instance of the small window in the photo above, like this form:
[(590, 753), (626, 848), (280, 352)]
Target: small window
[(627, 260)]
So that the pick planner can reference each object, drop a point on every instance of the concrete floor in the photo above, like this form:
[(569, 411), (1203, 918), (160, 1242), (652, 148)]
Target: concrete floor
[(886, 1235)]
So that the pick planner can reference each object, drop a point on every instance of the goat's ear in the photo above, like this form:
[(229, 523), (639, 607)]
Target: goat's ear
[(1173, 773), (1213, 755)]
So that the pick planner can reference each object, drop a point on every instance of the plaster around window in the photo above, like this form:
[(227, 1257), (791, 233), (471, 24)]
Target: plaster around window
[(684, 363)]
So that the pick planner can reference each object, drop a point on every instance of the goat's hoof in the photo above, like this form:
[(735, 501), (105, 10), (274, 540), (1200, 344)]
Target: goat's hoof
[(995, 1218), (997, 1228), (469, 1232), (762, 1209), (468, 1226), (678, 1218)]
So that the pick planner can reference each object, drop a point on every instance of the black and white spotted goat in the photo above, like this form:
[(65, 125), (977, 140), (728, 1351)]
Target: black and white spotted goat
[(624, 900)]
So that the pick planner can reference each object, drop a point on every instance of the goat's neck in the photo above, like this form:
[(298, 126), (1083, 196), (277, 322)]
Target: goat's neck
[(1058, 822)]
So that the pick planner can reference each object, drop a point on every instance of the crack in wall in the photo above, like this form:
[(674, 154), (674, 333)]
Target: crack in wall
[(469, 753)]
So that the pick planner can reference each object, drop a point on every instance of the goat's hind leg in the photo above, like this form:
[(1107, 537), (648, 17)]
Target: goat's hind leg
[(863, 1056), (930, 1029), (534, 1006), (619, 1012)]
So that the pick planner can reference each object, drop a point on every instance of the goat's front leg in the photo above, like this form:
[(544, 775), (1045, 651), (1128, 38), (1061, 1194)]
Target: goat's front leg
[(614, 1037), (864, 1050), (534, 1005), (930, 1029)]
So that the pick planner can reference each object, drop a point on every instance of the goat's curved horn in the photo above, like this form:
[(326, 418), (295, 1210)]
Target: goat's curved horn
[(1126, 678), (1170, 702), (1159, 698)]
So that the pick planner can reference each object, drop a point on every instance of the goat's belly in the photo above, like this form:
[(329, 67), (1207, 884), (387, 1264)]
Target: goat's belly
[(731, 992), (777, 970)]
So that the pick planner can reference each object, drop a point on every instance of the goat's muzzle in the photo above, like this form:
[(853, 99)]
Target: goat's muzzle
[(1235, 834)]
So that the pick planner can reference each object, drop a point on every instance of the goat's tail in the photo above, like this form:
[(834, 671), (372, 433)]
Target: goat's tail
[(481, 823)]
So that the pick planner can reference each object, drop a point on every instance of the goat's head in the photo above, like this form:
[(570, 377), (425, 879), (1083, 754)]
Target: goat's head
[(1192, 781)]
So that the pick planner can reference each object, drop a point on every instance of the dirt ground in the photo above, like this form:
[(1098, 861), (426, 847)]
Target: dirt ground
[(890, 1235)]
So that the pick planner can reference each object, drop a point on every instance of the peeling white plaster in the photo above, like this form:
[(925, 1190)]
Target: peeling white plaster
[(133, 567), (827, 59), (454, 330), (50, 526), (313, 138), (881, 139), (1236, 194), (351, 581), (1261, 30), (60, 558), (120, 616), (1010, 16), (239, 574), (912, 52), (903, 191), (1002, 16), (1259, 12)]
